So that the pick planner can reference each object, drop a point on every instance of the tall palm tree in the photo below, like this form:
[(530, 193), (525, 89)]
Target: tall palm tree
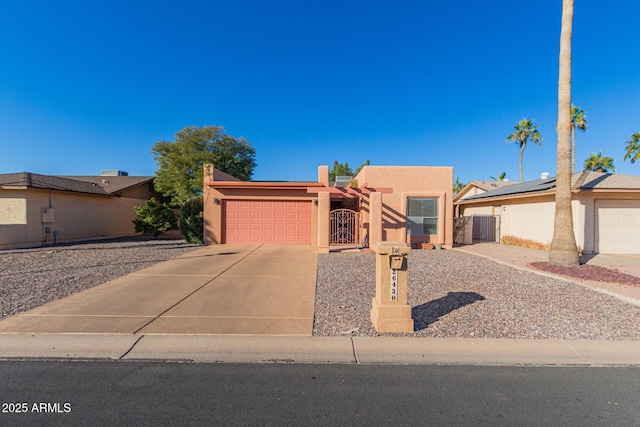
[(578, 121), (563, 245), (525, 131), (599, 163), (500, 178), (633, 148)]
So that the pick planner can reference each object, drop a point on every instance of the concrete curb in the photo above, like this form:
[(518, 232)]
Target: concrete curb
[(321, 350)]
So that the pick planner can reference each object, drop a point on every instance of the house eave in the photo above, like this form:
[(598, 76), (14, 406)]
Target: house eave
[(505, 197)]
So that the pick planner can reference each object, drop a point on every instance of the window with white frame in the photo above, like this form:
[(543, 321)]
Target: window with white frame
[(422, 216)]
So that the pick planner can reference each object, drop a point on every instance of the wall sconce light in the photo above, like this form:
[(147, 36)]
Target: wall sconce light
[(216, 201), (315, 202)]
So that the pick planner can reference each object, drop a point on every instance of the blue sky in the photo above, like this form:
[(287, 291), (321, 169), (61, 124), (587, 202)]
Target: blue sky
[(86, 86)]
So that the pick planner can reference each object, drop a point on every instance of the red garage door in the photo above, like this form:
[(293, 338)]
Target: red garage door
[(262, 221)]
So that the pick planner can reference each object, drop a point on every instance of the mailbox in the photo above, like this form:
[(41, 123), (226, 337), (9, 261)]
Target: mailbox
[(396, 261), (389, 310)]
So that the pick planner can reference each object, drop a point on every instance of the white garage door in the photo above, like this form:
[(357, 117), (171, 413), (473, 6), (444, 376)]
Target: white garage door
[(618, 226)]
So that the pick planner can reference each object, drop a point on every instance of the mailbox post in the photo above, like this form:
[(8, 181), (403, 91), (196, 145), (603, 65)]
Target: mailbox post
[(390, 311)]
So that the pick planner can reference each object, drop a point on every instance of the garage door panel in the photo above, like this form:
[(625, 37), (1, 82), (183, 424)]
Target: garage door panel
[(259, 221), (618, 226)]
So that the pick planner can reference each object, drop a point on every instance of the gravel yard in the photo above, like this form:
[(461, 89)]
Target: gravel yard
[(33, 277), (456, 294)]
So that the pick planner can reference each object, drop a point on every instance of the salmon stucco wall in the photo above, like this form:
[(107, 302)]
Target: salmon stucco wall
[(407, 182)]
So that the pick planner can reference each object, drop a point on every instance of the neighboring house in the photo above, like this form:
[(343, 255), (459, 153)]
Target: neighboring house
[(409, 204), (473, 188), (606, 211), (43, 209)]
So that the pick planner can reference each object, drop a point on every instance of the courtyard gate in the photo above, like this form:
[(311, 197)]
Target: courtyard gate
[(344, 227)]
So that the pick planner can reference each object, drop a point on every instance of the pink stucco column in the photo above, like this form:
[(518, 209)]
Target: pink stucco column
[(375, 218), (324, 205)]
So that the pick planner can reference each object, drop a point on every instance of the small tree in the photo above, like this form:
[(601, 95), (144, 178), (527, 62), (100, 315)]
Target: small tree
[(501, 177), (192, 221), (632, 152), (343, 169), (154, 218), (599, 163), (457, 186)]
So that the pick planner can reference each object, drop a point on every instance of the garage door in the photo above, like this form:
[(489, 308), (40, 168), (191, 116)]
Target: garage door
[(618, 226), (262, 221)]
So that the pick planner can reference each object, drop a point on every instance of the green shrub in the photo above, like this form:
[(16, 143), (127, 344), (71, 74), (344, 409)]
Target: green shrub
[(154, 218), (192, 221)]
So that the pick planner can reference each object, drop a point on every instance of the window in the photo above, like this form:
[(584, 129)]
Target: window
[(422, 216)]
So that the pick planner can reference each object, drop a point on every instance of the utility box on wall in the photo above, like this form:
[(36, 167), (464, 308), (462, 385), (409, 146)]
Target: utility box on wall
[(48, 215)]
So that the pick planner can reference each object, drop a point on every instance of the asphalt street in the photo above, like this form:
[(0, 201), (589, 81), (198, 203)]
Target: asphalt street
[(155, 393)]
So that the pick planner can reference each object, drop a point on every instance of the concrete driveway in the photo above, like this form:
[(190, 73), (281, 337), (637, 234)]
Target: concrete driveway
[(219, 289)]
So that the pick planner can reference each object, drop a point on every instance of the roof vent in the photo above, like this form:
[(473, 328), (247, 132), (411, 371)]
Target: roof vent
[(544, 175), (343, 181)]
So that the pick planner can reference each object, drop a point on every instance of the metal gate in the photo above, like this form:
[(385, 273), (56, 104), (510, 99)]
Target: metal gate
[(344, 227), (486, 228)]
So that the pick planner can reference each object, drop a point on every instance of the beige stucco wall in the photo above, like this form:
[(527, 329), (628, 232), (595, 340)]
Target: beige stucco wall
[(75, 217), (406, 182), (533, 217)]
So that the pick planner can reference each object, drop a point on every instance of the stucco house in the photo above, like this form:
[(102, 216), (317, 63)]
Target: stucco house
[(606, 211), (42, 209), (411, 204)]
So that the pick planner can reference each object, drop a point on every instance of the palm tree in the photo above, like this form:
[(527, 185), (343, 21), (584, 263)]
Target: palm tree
[(633, 148), (525, 130), (500, 178), (457, 186), (598, 163), (578, 121), (563, 245)]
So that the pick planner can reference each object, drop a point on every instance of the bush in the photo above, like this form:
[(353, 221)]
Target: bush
[(154, 218), (192, 221)]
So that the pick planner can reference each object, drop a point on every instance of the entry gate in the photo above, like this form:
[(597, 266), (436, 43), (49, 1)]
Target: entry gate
[(344, 227), (486, 228)]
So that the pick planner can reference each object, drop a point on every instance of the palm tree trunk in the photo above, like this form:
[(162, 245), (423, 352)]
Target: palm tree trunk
[(563, 246), (573, 149), (521, 152)]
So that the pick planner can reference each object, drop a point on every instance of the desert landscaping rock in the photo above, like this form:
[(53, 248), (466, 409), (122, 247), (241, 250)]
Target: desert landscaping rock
[(32, 277), (455, 294), (452, 293)]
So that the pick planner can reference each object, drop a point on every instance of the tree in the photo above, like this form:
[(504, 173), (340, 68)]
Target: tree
[(500, 178), (578, 121), (633, 148), (343, 169), (525, 131), (457, 186), (598, 163), (154, 218), (367, 163), (564, 250), (179, 176), (192, 220)]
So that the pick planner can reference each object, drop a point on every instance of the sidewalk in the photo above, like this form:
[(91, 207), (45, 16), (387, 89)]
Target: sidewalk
[(330, 350)]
